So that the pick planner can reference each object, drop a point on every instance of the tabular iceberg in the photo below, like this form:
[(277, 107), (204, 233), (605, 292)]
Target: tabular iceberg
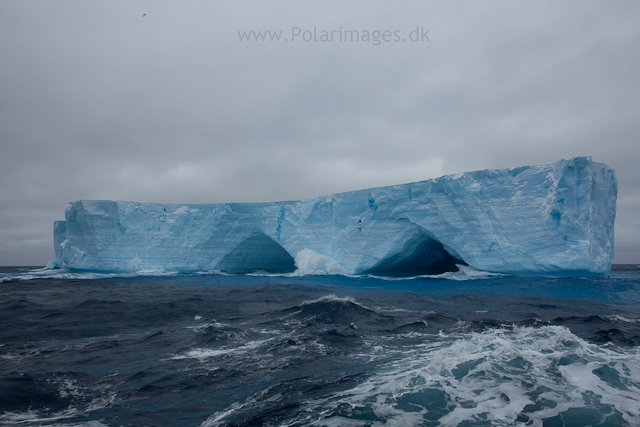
[(550, 219)]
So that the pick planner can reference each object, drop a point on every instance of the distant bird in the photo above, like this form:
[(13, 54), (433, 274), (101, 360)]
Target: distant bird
[(144, 14)]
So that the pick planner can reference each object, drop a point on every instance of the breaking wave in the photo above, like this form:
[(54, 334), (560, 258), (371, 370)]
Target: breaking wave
[(512, 376)]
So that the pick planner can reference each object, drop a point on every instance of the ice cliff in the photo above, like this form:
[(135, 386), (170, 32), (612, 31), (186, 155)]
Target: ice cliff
[(551, 219)]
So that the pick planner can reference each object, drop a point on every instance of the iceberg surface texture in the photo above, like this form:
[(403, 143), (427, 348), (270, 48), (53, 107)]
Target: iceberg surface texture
[(548, 219)]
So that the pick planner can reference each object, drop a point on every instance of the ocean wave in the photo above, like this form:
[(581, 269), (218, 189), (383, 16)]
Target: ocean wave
[(503, 376), (331, 298), (205, 353), (335, 310), (617, 318), (63, 399)]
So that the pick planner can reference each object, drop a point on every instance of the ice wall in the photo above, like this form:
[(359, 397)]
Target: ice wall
[(552, 219)]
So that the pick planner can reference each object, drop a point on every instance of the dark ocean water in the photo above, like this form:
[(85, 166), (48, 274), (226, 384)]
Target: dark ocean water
[(461, 349)]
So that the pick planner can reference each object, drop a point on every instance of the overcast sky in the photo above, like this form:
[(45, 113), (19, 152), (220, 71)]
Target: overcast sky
[(99, 102)]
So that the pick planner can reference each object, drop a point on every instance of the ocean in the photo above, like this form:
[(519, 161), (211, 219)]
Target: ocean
[(458, 349)]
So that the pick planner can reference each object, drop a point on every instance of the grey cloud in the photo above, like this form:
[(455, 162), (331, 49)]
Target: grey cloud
[(98, 102)]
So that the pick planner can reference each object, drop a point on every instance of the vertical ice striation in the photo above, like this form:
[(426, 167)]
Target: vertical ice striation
[(551, 219)]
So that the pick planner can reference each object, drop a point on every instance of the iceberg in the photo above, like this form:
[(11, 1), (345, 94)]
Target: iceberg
[(552, 219)]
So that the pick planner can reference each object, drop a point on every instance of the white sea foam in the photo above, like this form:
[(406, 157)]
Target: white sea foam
[(56, 273), (617, 318), (205, 326), (330, 298), (219, 417), (67, 388), (22, 353), (309, 262), (205, 353), (497, 376), (464, 272)]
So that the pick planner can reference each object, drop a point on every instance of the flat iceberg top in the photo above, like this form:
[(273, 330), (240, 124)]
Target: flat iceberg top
[(551, 219)]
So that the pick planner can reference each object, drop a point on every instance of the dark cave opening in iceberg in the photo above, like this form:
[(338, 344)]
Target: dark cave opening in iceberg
[(258, 252), (421, 255)]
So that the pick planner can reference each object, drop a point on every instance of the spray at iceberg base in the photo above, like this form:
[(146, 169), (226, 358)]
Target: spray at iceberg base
[(548, 219)]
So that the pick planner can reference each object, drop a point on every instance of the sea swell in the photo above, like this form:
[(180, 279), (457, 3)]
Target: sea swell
[(237, 350)]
